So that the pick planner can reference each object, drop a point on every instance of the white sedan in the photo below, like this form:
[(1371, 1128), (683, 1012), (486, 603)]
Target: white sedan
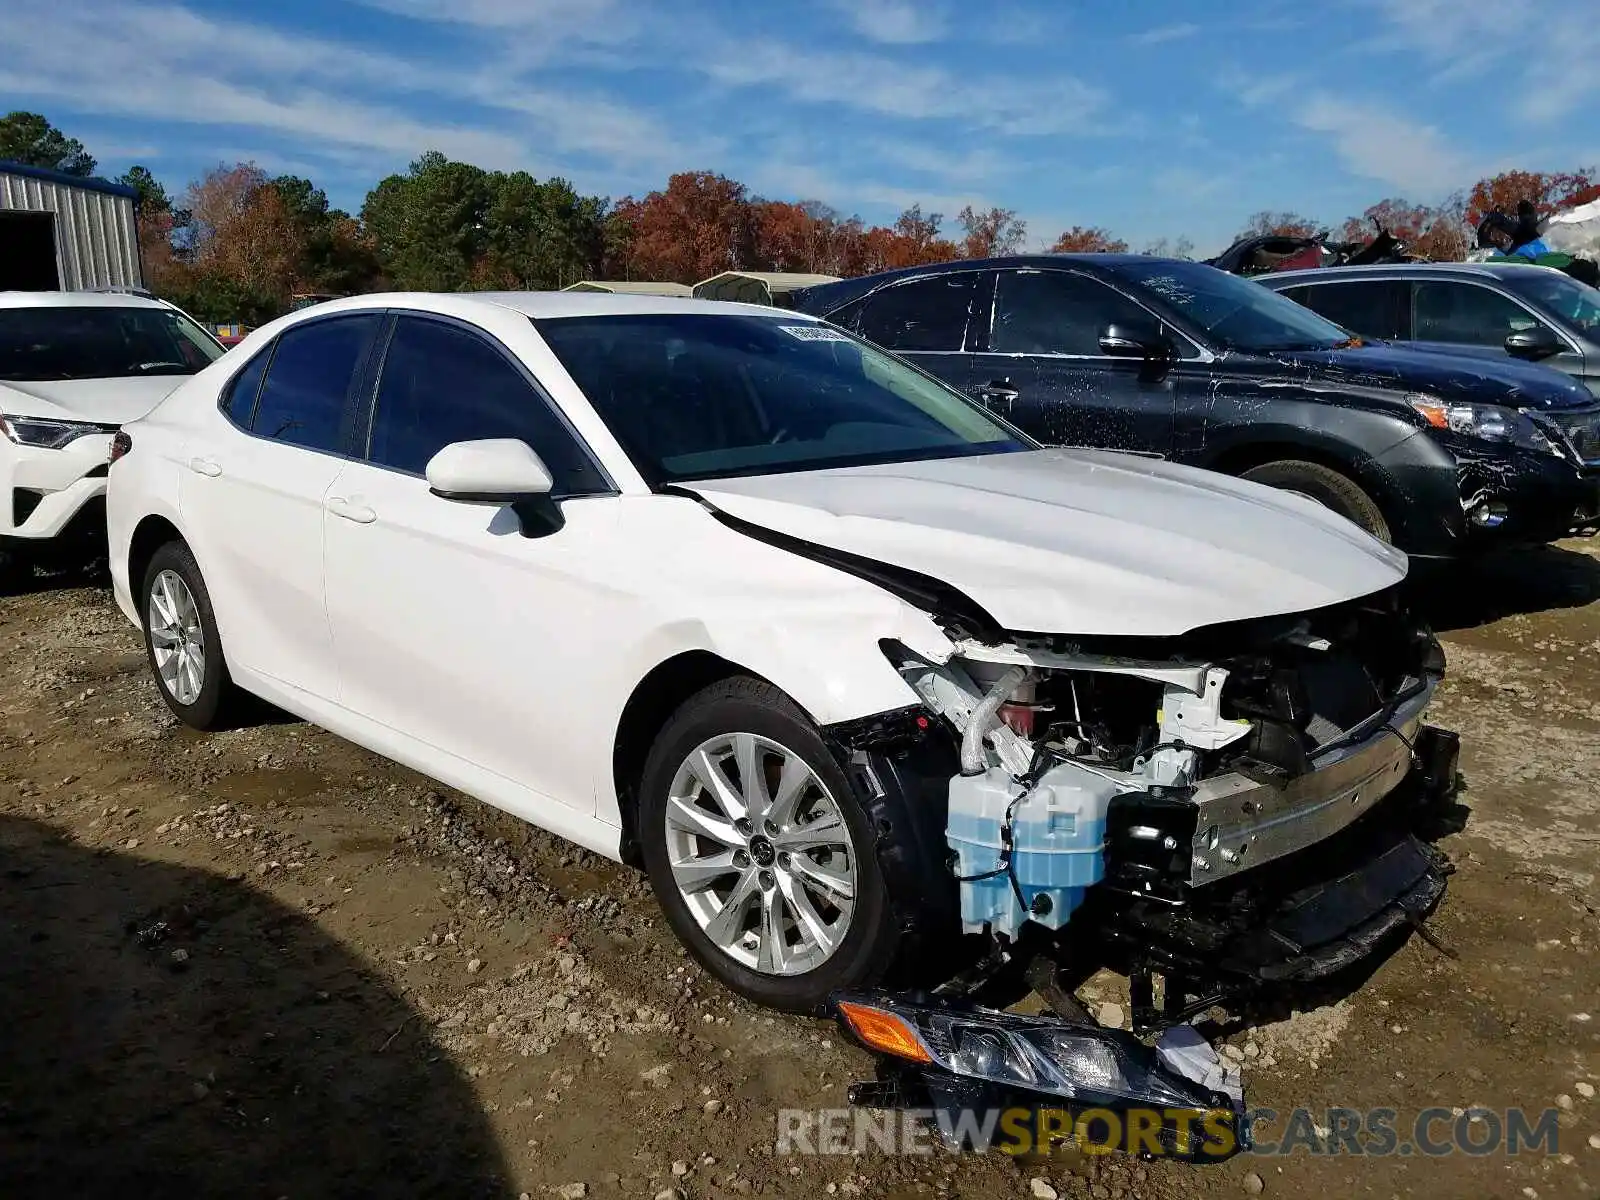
[(846, 663), (73, 367)]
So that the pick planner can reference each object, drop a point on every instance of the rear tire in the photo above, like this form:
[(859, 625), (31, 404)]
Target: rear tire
[(824, 940), (1328, 488), (182, 643)]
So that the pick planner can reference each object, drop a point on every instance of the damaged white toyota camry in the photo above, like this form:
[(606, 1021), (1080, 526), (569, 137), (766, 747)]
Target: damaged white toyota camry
[(881, 694)]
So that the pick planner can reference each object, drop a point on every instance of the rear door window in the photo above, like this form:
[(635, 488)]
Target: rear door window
[(239, 397), (1374, 308), (1467, 314), (309, 381), (927, 314)]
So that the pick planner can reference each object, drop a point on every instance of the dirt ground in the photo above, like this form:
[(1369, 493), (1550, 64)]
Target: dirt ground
[(266, 963)]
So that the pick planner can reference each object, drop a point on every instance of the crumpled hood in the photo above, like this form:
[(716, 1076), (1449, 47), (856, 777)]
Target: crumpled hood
[(105, 401), (1078, 541), (1499, 379)]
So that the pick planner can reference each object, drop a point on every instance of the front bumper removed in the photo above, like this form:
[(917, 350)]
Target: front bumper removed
[(1260, 937)]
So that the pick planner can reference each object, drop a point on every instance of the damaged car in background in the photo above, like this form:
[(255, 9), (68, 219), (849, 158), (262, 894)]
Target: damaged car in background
[(1445, 457), (900, 711)]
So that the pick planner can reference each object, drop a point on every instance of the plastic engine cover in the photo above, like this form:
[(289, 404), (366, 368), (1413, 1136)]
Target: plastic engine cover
[(1058, 845)]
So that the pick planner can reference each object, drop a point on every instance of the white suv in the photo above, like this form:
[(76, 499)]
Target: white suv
[(73, 367)]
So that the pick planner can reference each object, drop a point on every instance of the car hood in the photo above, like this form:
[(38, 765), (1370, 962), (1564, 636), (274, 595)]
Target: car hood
[(1078, 541), (1501, 380), (104, 401)]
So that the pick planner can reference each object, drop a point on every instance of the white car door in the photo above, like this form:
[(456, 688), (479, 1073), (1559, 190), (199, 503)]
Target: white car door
[(253, 498), (449, 626)]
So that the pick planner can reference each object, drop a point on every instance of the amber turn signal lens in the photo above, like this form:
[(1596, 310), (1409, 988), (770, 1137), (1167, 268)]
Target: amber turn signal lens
[(1436, 415), (884, 1031)]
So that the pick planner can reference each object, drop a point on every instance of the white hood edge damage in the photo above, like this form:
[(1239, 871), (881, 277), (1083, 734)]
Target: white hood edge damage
[(1078, 543)]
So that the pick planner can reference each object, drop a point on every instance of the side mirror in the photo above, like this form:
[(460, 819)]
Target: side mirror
[(500, 472), (1534, 343), (1128, 340)]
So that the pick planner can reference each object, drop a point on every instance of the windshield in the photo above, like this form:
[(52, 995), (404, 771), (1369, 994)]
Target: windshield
[(693, 396), (1234, 313), (1575, 303), (100, 342)]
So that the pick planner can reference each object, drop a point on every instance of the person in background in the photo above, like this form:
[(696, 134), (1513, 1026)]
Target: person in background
[(1525, 239)]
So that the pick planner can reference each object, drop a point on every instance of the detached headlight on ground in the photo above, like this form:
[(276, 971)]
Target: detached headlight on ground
[(47, 434), (1490, 422), (1044, 1059)]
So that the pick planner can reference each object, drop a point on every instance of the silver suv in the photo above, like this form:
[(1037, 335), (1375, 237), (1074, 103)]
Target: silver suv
[(1534, 313)]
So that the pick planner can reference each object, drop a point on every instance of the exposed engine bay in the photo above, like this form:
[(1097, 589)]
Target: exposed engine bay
[(1217, 816)]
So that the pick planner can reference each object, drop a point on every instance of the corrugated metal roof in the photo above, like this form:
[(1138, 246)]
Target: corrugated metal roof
[(97, 242), (757, 287), (634, 287), (91, 183)]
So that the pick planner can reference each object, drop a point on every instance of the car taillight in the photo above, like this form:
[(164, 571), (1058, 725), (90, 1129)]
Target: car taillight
[(120, 444)]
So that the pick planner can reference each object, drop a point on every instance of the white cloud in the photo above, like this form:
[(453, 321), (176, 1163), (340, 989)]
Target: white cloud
[(897, 22), (1176, 32), (1378, 144), (1543, 60), (870, 83), (171, 64), (596, 18)]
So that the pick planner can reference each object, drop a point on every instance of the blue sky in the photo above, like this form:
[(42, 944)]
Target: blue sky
[(1150, 117)]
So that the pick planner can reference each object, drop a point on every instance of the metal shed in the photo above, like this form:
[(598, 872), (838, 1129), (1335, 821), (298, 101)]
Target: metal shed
[(631, 287), (757, 287), (65, 232)]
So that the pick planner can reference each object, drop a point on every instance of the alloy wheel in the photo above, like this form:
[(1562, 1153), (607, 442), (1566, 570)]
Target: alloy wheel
[(761, 854), (177, 637)]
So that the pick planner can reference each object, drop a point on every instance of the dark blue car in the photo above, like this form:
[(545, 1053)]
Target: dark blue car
[(1440, 455)]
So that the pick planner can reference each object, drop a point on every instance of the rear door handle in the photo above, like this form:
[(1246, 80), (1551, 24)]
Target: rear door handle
[(209, 467), (359, 513), (998, 389)]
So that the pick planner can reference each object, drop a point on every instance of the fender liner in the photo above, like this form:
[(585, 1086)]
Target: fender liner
[(900, 765)]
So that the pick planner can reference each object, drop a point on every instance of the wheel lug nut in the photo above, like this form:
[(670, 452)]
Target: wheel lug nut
[(783, 860), (742, 826), (770, 828), (766, 879)]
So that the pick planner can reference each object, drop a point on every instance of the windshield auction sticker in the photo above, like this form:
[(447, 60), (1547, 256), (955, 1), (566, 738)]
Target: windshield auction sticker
[(814, 333)]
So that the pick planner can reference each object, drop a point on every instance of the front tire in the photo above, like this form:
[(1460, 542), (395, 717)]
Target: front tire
[(1328, 488), (182, 643), (758, 851)]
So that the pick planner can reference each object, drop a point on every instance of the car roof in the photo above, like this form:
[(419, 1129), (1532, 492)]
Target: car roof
[(1485, 270), (78, 300), (830, 297), (542, 305)]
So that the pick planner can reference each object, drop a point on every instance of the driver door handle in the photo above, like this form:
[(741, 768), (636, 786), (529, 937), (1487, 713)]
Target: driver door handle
[(359, 513), (209, 467), (997, 390)]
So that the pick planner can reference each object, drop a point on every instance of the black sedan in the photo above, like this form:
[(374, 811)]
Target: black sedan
[(1440, 455)]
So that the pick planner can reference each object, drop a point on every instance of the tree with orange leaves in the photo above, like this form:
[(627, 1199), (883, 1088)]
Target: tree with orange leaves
[(992, 232), (699, 224), (1088, 240), (1278, 224), (1548, 192), (1432, 233)]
